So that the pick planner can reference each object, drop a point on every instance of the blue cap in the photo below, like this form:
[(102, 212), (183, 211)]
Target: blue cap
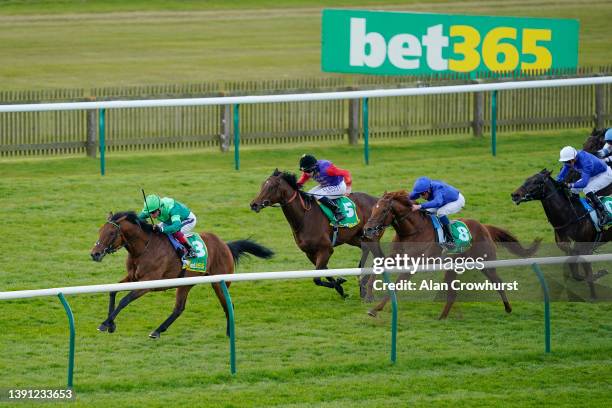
[(421, 185), (608, 135)]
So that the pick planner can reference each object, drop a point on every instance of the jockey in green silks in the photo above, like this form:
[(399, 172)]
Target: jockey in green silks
[(175, 217)]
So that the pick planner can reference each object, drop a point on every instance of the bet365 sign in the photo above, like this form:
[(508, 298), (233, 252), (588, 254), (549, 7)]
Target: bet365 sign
[(389, 43)]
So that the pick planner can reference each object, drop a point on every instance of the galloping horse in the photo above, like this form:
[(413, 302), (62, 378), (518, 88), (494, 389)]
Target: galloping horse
[(595, 141), (569, 219), (151, 256), (311, 229), (416, 229)]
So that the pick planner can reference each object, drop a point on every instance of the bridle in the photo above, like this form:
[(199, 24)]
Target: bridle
[(554, 190), (397, 218), (125, 242), (117, 232), (295, 195)]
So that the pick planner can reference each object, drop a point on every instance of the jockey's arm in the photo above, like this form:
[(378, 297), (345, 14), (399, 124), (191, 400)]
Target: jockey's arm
[(605, 151), (563, 173), (586, 173), (143, 215), (174, 226), (436, 202), (303, 179), (335, 171)]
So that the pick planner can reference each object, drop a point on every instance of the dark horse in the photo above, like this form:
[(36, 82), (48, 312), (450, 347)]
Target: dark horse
[(574, 230), (151, 257), (414, 229), (595, 141), (311, 229)]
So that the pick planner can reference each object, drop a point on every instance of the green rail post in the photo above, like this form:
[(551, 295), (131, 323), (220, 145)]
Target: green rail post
[(494, 124), (72, 336), (538, 271), (237, 136), (102, 140), (230, 312), (366, 131), (393, 320)]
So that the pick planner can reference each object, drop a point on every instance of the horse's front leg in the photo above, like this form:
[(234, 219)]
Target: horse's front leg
[(179, 307), (111, 307), (126, 300), (451, 294), (374, 311)]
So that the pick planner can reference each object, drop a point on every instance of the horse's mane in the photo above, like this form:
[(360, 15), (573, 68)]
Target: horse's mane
[(401, 196), (291, 179), (132, 217)]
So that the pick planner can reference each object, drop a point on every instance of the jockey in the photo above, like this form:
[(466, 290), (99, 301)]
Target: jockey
[(595, 175), (605, 152), (333, 182), (175, 217), (442, 199)]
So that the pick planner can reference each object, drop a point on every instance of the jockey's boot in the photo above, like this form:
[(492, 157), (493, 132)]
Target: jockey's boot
[(450, 241), (189, 252), (326, 201), (602, 214)]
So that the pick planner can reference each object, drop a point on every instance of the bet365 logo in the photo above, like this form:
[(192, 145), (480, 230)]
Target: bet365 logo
[(497, 48)]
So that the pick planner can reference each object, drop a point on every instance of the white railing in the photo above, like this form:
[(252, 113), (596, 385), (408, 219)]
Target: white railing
[(167, 283), (322, 96), (241, 277)]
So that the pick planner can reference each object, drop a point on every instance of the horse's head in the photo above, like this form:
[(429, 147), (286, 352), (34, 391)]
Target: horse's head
[(534, 188), (595, 141), (110, 238), (116, 232), (383, 213), (276, 189)]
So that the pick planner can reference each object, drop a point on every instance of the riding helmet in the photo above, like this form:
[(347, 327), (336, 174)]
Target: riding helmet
[(152, 203), (307, 162), (421, 185)]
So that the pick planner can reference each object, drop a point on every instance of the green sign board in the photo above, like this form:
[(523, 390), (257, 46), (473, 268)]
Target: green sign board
[(390, 43)]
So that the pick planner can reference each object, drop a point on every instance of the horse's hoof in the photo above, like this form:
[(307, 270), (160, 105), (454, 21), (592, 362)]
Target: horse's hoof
[(154, 335), (103, 327), (599, 274), (372, 313), (508, 309)]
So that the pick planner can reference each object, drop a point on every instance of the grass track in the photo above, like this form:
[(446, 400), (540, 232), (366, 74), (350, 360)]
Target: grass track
[(298, 345)]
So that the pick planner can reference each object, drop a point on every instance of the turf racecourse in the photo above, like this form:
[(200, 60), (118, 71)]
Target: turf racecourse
[(298, 345)]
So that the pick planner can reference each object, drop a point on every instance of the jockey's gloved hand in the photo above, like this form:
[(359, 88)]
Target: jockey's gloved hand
[(157, 228)]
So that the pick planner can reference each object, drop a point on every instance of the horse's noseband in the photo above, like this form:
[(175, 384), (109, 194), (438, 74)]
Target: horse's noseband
[(110, 249)]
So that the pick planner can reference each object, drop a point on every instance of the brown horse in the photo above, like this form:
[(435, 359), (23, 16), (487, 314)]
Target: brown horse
[(151, 256), (574, 231), (595, 141), (416, 229), (311, 229)]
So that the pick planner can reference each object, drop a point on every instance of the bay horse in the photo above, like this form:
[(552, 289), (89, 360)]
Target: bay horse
[(415, 231), (574, 230), (151, 256), (310, 226)]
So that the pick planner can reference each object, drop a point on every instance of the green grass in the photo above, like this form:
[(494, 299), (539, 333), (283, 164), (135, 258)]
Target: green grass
[(76, 44), (298, 345)]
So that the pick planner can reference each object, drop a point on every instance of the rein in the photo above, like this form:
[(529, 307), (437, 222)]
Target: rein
[(397, 218), (110, 249), (290, 200)]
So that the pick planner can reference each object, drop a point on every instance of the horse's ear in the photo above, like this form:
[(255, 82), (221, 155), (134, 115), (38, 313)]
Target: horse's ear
[(276, 172), (110, 215)]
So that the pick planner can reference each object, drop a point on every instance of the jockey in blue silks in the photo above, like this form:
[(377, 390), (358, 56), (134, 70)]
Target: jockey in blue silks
[(442, 199), (605, 152), (595, 175)]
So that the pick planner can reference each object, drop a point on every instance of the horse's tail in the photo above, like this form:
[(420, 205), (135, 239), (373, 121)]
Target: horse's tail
[(246, 246), (509, 241)]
